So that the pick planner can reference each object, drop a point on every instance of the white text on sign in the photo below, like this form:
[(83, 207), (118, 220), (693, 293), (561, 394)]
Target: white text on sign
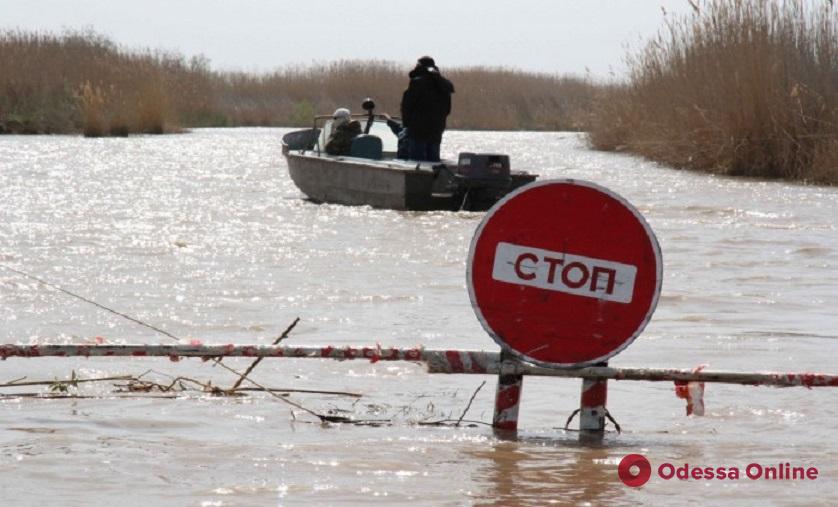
[(564, 272)]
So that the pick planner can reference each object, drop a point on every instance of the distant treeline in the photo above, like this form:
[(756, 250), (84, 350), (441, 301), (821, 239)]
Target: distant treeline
[(83, 82), (740, 87)]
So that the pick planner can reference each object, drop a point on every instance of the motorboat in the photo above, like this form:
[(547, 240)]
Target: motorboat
[(372, 175)]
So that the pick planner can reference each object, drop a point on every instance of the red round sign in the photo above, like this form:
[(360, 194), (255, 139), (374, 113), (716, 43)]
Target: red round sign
[(564, 273)]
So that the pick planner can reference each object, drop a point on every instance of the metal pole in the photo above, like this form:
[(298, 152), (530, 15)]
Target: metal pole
[(592, 408), (507, 397), (438, 361)]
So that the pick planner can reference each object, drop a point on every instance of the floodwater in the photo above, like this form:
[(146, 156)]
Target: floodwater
[(205, 236)]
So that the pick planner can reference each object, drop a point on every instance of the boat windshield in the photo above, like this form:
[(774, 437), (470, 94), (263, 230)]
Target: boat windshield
[(379, 128)]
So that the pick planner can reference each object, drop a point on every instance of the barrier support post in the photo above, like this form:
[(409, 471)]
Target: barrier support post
[(507, 396), (592, 408)]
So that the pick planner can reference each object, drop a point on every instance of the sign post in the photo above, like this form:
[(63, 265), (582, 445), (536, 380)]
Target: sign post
[(564, 274), (592, 407), (507, 397)]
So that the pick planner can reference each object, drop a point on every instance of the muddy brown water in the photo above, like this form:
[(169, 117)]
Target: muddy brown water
[(204, 235)]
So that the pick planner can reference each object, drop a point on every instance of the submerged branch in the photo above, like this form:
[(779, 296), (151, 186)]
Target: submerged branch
[(70, 381), (137, 384)]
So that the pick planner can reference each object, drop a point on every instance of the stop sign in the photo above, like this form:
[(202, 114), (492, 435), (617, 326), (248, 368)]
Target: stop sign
[(564, 273)]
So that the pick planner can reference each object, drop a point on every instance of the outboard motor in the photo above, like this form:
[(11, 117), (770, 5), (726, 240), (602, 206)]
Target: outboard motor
[(484, 169)]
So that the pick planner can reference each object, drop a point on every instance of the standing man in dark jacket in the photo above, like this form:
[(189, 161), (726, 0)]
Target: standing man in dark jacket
[(425, 105)]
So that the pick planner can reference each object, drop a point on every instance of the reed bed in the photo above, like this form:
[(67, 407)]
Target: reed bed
[(740, 87), (83, 82)]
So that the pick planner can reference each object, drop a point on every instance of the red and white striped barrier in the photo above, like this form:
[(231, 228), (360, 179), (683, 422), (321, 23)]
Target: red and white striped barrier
[(438, 361), (510, 371)]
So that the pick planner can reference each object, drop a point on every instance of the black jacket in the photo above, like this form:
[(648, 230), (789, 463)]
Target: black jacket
[(425, 104)]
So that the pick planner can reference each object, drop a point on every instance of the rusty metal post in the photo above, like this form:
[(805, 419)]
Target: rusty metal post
[(508, 396), (592, 408)]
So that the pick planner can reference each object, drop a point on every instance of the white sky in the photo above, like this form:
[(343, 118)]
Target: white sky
[(553, 36)]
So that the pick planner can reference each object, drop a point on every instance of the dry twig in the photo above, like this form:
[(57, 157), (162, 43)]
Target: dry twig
[(259, 359), (470, 401)]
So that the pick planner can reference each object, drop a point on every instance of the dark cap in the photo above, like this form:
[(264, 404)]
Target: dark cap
[(427, 61)]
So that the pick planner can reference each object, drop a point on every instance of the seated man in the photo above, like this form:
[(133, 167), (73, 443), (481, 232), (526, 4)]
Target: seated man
[(344, 131)]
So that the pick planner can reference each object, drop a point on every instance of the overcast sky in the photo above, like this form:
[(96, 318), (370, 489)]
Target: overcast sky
[(553, 36)]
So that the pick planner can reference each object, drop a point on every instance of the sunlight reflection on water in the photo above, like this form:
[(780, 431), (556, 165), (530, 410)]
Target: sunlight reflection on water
[(204, 235)]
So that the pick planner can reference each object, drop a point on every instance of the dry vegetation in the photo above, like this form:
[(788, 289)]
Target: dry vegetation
[(82, 82), (742, 87)]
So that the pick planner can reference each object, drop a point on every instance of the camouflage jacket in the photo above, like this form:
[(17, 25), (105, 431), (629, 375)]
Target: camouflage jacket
[(340, 141)]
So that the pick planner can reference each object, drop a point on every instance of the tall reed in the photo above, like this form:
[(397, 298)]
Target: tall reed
[(84, 82), (485, 98), (740, 87), (81, 81)]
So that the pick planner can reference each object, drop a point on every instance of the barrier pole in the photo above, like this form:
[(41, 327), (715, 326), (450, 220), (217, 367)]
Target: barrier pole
[(507, 396), (438, 361)]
